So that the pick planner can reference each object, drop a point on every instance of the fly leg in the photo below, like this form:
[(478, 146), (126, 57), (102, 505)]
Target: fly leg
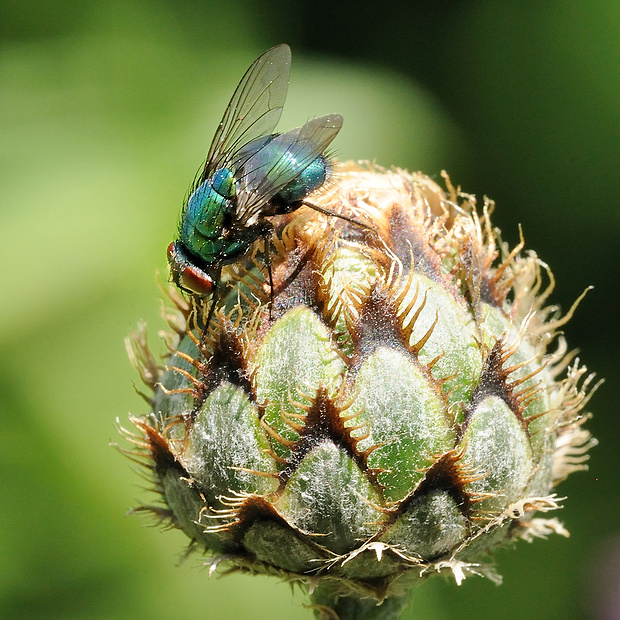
[(338, 215), (266, 231), (214, 299)]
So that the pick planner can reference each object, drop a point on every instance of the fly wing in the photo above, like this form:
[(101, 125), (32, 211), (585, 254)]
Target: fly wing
[(254, 109), (262, 175)]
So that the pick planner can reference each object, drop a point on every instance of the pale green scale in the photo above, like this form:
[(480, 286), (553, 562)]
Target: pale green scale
[(494, 324), (365, 565), (278, 544), (350, 275), (330, 497), (405, 414), (187, 503), (297, 355), (168, 406), (454, 334), (431, 525), (226, 444), (542, 474), (498, 450)]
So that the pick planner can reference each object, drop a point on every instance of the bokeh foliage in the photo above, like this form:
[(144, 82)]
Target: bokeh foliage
[(107, 109)]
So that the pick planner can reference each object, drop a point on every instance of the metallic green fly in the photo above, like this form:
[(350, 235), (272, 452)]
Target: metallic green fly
[(250, 173)]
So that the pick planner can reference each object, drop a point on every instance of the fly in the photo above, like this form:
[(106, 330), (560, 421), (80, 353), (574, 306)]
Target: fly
[(250, 173)]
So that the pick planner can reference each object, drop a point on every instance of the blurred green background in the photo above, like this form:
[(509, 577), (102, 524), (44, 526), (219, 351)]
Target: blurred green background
[(107, 109)]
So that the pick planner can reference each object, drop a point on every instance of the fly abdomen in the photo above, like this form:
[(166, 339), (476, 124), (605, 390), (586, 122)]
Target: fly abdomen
[(308, 180)]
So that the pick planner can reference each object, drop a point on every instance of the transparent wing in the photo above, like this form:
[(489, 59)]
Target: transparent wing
[(254, 109), (276, 164)]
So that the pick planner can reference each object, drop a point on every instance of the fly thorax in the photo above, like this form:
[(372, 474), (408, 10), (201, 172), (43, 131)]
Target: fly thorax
[(223, 182), (205, 215)]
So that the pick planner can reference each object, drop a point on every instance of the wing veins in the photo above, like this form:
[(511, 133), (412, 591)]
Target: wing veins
[(303, 143), (265, 83)]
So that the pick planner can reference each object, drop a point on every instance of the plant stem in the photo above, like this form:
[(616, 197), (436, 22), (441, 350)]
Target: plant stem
[(329, 605)]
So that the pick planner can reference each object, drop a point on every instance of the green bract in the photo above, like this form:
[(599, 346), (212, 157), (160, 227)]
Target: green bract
[(403, 407)]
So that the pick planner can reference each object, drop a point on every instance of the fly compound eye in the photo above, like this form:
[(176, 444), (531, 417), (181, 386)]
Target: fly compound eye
[(186, 275), (171, 252), (195, 280)]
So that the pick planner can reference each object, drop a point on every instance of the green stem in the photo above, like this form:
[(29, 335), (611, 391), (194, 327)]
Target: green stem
[(329, 605)]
